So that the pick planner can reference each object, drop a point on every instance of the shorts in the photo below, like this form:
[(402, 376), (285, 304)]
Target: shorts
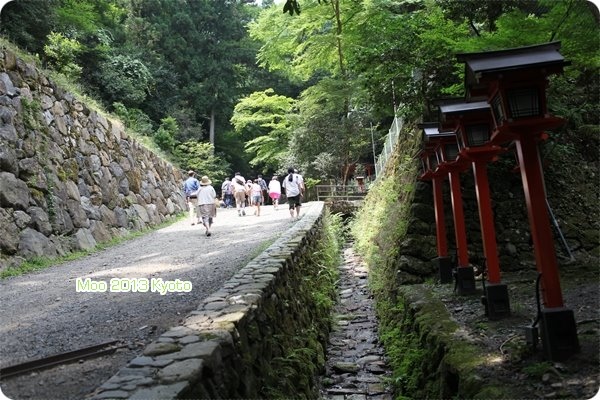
[(294, 201), (193, 201), (274, 195), (256, 199), (240, 197), (207, 210)]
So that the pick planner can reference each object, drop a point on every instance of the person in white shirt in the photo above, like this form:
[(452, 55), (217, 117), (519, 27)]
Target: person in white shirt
[(275, 191), (294, 190), (239, 193), (206, 203), (256, 197)]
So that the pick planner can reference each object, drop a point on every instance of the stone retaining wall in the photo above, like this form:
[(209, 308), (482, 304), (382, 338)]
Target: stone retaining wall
[(226, 348), (69, 177), (446, 362)]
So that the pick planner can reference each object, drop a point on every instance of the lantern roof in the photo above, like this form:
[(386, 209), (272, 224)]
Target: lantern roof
[(478, 65), (431, 131), (464, 107)]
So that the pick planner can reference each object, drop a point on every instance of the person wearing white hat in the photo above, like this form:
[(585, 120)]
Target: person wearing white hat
[(206, 203), (239, 192)]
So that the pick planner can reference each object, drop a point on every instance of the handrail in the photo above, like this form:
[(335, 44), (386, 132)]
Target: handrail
[(339, 192)]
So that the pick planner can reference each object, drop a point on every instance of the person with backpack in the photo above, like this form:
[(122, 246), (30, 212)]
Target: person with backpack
[(227, 193), (263, 188), (294, 190), (239, 193), (190, 187)]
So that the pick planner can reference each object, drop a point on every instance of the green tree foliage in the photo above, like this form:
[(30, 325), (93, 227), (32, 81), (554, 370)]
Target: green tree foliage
[(401, 53), (28, 23), (195, 47), (164, 136), (97, 25), (201, 157), (261, 119), (61, 53), (302, 46), (126, 79), (362, 62), (324, 132), (481, 15), (134, 119), (312, 46)]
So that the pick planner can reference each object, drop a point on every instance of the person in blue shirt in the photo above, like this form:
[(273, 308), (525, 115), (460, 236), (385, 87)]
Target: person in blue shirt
[(190, 187)]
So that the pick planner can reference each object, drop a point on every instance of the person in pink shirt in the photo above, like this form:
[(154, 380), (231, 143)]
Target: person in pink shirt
[(275, 191)]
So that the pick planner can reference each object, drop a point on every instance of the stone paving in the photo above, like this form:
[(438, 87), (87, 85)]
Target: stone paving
[(356, 367)]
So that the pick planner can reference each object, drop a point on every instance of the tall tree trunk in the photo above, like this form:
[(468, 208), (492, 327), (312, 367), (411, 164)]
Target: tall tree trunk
[(211, 133), (335, 4), (338, 19)]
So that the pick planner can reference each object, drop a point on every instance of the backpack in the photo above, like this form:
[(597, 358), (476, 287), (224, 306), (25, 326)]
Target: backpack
[(263, 184)]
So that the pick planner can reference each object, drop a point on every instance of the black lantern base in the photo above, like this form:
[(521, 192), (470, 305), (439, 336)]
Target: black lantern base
[(465, 280), (559, 333), (496, 302), (532, 337), (445, 267)]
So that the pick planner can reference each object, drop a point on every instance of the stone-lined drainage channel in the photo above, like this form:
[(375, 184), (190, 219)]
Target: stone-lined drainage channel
[(356, 367)]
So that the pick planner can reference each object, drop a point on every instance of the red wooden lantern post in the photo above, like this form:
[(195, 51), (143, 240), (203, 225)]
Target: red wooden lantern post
[(429, 166), (514, 82), (446, 149), (472, 123)]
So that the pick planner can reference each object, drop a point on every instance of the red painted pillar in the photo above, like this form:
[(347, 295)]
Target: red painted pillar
[(460, 232), (539, 220), (440, 226), (486, 220)]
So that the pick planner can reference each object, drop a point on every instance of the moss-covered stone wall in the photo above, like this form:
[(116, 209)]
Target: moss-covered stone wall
[(70, 177)]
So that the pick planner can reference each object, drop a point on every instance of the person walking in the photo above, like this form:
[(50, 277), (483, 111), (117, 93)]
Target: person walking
[(294, 190), (248, 188), (206, 203), (239, 193), (227, 193), (275, 191), (263, 187), (256, 197), (190, 186)]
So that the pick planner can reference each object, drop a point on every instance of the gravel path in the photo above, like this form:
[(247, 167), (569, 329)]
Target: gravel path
[(41, 313)]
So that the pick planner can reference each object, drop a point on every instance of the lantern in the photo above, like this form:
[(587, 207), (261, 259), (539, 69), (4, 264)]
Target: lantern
[(514, 83)]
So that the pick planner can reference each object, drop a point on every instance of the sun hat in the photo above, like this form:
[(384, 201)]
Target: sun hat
[(191, 172), (205, 181)]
